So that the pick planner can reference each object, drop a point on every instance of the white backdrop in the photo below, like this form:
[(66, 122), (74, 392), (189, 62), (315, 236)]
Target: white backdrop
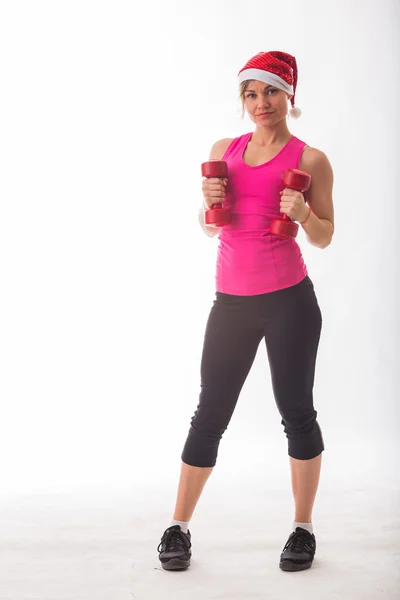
[(107, 111)]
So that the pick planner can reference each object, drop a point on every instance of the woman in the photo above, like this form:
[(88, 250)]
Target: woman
[(262, 291)]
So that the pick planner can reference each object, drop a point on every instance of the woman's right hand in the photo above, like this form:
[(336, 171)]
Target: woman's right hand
[(214, 189)]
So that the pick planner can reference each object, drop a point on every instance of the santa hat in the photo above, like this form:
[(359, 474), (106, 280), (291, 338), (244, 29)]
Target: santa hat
[(274, 68)]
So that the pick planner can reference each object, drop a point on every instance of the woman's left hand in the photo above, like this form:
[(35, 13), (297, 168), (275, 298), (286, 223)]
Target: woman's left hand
[(293, 204)]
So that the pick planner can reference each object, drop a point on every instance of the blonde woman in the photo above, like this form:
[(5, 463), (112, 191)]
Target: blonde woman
[(263, 292)]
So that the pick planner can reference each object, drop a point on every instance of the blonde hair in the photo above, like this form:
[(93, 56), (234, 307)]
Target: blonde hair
[(242, 89)]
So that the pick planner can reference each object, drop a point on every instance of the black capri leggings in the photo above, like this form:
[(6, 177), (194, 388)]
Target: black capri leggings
[(290, 321)]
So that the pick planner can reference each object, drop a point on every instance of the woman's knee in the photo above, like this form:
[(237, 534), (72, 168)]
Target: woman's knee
[(304, 435), (201, 447)]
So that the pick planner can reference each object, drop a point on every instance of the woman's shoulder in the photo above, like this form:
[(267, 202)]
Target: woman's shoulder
[(219, 148), (313, 158)]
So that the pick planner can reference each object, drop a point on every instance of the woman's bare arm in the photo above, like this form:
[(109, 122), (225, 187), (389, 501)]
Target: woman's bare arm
[(320, 226)]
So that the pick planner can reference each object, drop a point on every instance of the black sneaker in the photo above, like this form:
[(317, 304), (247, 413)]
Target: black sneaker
[(174, 549), (299, 550)]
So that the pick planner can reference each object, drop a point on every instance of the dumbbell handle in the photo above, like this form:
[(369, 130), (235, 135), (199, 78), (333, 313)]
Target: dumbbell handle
[(215, 168), (216, 215), (297, 180)]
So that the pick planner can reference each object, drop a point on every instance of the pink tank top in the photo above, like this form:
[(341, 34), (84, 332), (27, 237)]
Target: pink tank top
[(251, 260)]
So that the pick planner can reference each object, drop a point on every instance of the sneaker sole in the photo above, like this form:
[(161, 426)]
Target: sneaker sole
[(287, 565), (175, 564)]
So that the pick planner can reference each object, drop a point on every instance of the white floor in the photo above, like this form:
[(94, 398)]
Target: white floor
[(102, 545)]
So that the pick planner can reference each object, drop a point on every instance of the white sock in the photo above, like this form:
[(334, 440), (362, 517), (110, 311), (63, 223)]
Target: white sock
[(308, 526), (184, 525)]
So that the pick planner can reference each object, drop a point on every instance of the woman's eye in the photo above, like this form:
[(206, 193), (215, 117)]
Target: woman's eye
[(268, 91)]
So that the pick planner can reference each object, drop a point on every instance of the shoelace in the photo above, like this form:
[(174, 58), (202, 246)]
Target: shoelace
[(299, 542), (174, 541)]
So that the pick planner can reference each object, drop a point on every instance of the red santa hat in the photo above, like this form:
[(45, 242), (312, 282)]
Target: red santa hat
[(274, 68)]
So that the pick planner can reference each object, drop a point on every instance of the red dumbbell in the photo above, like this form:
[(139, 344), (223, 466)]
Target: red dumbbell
[(216, 215), (295, 180)]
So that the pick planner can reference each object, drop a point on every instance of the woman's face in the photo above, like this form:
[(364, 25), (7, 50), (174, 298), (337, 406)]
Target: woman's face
[(265, 104)]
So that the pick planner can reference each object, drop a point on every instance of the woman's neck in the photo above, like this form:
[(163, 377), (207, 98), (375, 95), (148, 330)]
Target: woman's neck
[(271, 136)]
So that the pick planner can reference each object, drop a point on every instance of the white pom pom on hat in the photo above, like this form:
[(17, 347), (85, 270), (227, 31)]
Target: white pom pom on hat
[(274, 68), (295, 112)]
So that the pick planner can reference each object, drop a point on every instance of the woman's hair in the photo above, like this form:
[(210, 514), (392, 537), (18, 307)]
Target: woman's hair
[(242, 89)]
